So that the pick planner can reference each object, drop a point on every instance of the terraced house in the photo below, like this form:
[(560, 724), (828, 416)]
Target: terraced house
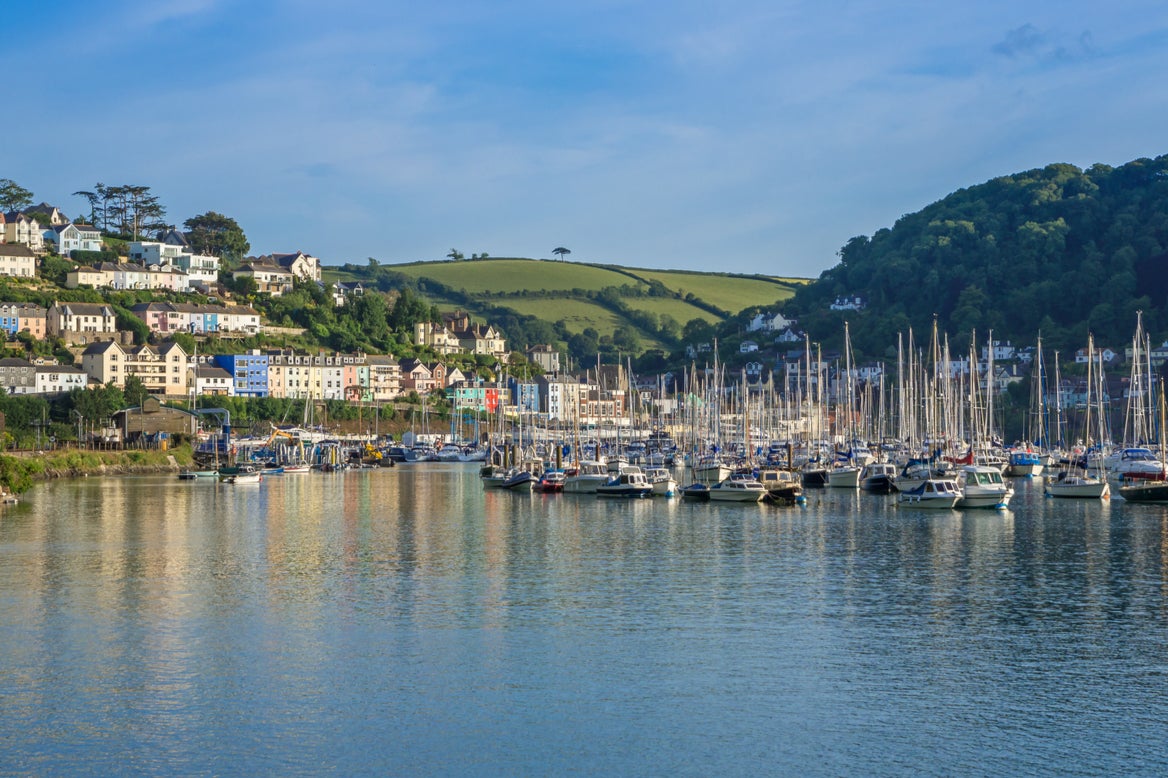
[(82, 322)]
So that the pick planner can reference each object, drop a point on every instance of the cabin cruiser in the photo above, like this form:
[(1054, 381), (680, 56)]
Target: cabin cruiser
[(932, 494), (586, 477), (738, 489), (982, 486)]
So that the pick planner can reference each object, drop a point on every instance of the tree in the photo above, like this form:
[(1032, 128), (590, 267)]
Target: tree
[(13, 196), (134, 391), (455, 254), (129, 209), (218, 236), (560, 251)]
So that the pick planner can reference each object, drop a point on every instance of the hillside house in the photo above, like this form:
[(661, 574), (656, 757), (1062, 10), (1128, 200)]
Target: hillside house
[(17, 260), (73, 237)]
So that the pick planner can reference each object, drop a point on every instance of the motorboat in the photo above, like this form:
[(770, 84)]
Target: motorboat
[(879, 478), (781, 484), (662, 481), (932, 494), (629, 482), (696, 492), (1135, 463), (982, 486), (1024, 464), (517, 480), (246, 475), (738, 489), (585, 478), (551, 481)]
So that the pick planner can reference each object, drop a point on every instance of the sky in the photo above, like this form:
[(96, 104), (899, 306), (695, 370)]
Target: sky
[(747, 136)]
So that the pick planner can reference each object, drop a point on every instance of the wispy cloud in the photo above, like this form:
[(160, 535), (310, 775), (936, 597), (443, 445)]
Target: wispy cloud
[(1028, 42)]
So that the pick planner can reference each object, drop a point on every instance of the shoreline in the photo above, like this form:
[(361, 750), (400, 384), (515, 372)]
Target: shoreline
[(20, 471)]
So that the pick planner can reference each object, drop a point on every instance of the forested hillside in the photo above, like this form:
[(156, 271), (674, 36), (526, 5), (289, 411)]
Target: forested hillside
[(1059, 250)]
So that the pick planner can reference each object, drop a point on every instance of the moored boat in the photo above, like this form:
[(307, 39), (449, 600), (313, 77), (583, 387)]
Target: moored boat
[(550, 482), (738, 489), (1145, 491), (933, 494), (629, 482), (662, 481), (781, 484), (585, 478), (982, 486), (879, 478)]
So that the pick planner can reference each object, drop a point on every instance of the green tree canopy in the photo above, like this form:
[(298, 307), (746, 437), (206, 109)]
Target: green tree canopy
[(217, 235)]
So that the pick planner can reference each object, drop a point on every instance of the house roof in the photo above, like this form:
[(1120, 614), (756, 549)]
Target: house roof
[(86, 309), (100, 347), (16, 250)]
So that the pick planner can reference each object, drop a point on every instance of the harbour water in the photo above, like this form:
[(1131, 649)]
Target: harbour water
[(405, 621)]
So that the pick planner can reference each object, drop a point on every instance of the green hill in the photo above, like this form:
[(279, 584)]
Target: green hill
[(551, 301), (1061, 251)]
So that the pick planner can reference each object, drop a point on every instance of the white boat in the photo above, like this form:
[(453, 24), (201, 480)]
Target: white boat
[(844, 477), (738, 489), (711, 470), (589, 475), (1077, 484), (629, 482), (982, 486), (933, 494), (1135, 463), (246, 475), (662, 481)]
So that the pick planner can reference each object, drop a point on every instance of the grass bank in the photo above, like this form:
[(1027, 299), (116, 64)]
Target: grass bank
[(20, 470)]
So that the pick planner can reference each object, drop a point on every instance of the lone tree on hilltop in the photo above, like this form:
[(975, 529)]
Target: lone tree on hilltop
[(455, 254), (13, 196), (561, 252)]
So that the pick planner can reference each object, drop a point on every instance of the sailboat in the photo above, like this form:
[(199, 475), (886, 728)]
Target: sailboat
[(1149, 490), (1077, 480), (845, 472), (1025, 462)]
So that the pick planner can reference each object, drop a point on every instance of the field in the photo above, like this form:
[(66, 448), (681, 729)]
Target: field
[(556, 291), (510, 275)]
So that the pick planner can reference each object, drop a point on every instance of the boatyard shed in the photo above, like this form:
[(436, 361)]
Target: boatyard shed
[(152, 420)]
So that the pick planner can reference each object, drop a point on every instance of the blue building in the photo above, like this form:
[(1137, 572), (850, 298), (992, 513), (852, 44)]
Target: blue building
[(248, 371), (524, 395)]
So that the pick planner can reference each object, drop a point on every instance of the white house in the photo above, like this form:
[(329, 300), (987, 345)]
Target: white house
[(17, 260), (1106, 354), (74, 237), (769, 322), (1002, 350), (747, 347), (855, 303), (58, 379)]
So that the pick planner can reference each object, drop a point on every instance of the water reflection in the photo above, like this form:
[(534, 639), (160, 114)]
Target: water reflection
[(408, 620)]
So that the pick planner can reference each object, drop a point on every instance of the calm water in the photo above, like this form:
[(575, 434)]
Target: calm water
[(407, 622)]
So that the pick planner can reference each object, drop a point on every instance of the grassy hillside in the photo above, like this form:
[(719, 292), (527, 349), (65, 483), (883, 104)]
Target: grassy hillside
[(582, 296)]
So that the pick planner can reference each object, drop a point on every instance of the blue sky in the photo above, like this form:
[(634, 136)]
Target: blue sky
[(740, 136)]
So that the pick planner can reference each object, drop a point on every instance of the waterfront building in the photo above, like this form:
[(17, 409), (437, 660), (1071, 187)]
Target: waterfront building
[(248, 373)]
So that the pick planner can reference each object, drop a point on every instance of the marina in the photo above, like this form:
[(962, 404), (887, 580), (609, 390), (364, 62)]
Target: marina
[(408, 620)]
